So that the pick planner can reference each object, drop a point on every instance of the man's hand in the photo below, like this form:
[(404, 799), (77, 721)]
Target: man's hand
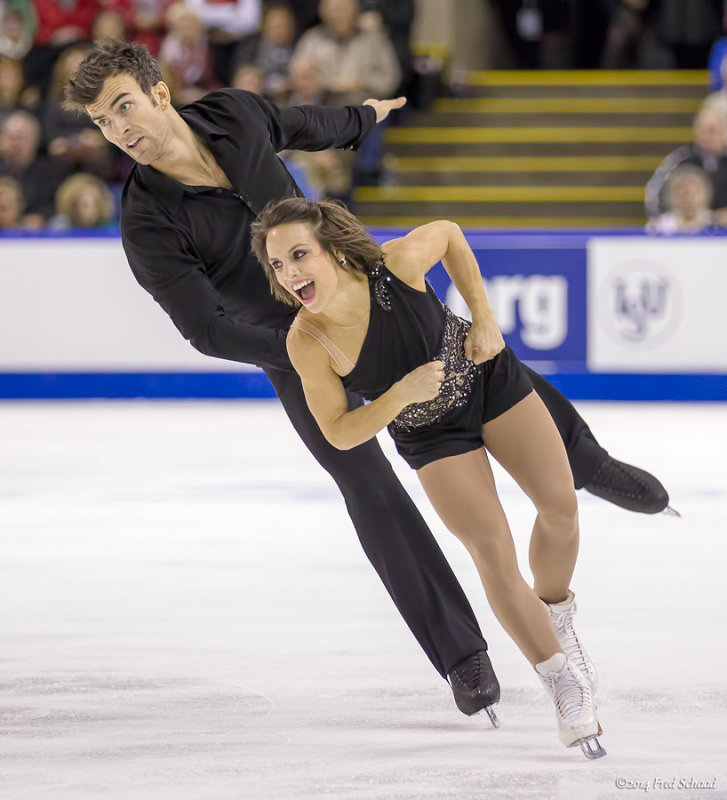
[(384, 107), (484, 341)]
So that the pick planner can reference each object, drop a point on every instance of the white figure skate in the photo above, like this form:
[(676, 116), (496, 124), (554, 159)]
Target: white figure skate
[(561, 616), (575, 709)]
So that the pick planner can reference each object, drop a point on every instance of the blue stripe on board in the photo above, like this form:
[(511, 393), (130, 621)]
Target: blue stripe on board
[(160, 385), (592, 386), (255, 385)]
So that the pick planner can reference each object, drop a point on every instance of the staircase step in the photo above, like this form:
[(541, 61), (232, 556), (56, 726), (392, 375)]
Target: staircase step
[(517, 149), (596, 77), (589, 84), (646, 92), (440, 209), (499, 194), (536, 149), (500, 221), (569, 105), (517, 177), (575, 118), (452, 135), (530, 163)]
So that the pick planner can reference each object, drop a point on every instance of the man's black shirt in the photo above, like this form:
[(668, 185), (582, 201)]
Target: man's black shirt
[(189, 246)]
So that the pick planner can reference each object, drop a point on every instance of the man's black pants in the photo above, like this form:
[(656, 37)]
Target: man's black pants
[(393, 533)]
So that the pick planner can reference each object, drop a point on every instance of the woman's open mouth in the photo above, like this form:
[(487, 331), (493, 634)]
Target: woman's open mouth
[(305, 291)]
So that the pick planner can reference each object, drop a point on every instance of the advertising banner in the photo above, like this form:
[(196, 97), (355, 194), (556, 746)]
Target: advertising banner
[(73, 305), (657, 305), (539, 299)]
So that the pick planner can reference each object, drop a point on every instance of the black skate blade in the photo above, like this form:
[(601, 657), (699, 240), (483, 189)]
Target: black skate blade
[(493, 717), (671, 512), (591, 747)]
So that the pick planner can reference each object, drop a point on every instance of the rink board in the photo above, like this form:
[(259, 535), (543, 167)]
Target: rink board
[(607, 316)]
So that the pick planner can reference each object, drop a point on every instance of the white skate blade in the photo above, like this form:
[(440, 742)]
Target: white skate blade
[(591, 747), (493, 717), (671, 512)]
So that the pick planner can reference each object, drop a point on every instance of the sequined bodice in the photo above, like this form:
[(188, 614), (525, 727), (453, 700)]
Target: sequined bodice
[(407, 328)]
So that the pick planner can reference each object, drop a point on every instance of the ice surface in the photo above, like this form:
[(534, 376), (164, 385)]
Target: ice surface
[(185, 612)]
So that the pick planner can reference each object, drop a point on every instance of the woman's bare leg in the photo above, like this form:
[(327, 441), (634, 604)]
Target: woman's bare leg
[(462, 491), (527, 444)]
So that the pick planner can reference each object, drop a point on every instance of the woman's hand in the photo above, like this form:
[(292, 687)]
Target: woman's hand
[(484, 341), (422, 383)]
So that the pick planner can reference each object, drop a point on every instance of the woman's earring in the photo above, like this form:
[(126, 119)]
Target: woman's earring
[(342, 261)]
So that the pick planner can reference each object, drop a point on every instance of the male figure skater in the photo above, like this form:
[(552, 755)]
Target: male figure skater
[(203, 173)]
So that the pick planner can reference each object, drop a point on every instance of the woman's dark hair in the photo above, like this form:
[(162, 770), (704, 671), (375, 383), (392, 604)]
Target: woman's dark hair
[(335, 228), (109, 58)]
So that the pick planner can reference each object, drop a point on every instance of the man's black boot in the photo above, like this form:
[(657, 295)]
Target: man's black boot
[(628, 487), (475, 686)]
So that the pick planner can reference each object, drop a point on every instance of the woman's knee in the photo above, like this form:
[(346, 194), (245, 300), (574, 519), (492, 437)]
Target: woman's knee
[(491, 547), (560, 510)]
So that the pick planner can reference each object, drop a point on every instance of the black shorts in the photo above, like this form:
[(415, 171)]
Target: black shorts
[(501, 383)]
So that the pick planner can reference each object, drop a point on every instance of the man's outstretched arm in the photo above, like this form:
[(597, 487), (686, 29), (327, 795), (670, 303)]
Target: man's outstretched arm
[(316, 127)]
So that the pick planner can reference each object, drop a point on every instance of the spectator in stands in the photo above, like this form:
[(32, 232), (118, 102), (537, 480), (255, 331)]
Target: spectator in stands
[(688, 198), (625, 29), (718, 59), (396, 18), (307, 84), (306, 14), (147, 26), (689, 29), (327, 173), (184, 56), (11, 86), (271, 51), (355, 65), (227, 22), (537, 32), (83, 201), (249, 78), (72, 137), (60, 23), (708, 151), (109, 24), (717, 101), (717, 65), (38, 176), (18, 25), (11, 204)]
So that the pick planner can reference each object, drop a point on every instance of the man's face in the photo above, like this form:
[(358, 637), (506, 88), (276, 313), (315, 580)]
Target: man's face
[(130, 119)]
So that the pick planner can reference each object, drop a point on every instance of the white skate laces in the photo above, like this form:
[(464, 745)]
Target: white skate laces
[(575, 709), (561, 617)]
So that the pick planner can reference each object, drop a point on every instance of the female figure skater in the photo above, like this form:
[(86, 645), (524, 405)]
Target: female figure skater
[(370, 322)]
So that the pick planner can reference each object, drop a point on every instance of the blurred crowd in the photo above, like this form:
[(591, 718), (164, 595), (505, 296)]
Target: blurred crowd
[(56, 169), (688, 191), (609, 34)]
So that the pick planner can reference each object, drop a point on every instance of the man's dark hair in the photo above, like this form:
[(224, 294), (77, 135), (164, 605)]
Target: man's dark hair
[(109, 58)]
